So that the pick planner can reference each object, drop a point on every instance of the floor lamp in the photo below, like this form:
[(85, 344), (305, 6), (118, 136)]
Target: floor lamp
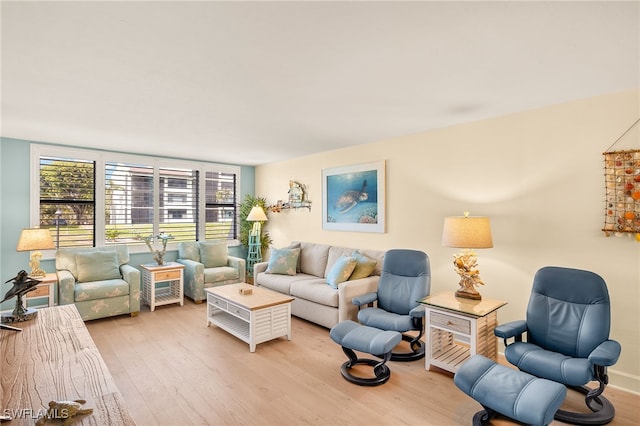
[(257, 216)]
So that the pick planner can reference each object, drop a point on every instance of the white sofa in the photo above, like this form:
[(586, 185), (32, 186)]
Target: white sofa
[(315, 300)]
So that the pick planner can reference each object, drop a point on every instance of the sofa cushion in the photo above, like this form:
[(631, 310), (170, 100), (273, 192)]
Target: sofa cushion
[(313, 259), (100, 290), (189, 250), (214, 254), (341, 270), (283, 261), (97, 266), (220, 273), (315, 290), (364, 266), (282, 283)]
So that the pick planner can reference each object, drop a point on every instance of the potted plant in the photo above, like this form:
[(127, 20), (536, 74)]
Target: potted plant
[(245, 226)]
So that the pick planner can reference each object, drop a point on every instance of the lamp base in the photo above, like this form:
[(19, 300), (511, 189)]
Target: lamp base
[(467, 295), (34, 262)]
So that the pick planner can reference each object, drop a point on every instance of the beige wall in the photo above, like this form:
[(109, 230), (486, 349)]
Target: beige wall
[(537, 174)]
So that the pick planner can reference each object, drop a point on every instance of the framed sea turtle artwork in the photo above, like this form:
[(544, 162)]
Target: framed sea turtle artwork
[(353, 198)]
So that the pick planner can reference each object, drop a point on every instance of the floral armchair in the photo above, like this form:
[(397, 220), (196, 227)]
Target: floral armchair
[(208, 264), (98, 280)]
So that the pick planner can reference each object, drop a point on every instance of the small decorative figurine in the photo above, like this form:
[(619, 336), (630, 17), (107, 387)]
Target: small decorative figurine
[(158, 255), (22, 284), (65, 411)]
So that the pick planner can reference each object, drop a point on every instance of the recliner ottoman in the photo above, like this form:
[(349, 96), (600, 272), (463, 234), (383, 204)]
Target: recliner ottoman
[(509, 392), (355, 337)]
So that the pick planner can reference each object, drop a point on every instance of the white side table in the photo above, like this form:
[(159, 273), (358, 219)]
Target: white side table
[(46, 289), (170, 274), (458, 328)]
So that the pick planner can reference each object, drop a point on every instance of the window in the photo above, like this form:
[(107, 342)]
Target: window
[(128, 202), (138, 196), (67, 200), (220, 206), (179, 218)]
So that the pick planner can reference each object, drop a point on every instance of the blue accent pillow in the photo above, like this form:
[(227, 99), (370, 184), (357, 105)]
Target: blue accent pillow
[(283, 261), (214, 254), (98, 266), (341, 270)]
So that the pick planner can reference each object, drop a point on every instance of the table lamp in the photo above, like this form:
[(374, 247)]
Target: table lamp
[(257, 216), (467, 232), (34, 240)]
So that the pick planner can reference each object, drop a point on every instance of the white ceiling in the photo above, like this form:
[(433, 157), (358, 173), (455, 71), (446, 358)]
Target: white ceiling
[(257, 82)]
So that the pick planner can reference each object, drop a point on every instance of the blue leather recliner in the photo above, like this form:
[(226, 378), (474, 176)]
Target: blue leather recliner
[(567, 338), (405, 279)]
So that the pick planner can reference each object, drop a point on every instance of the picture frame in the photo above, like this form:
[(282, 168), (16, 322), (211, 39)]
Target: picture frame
[(353, 198)]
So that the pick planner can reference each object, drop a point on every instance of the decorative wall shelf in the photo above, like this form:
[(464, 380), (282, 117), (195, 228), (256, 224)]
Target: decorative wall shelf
[(298, 198)]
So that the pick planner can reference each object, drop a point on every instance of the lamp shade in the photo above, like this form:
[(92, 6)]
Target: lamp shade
[(35, 239), (467, 232), (257, 215)]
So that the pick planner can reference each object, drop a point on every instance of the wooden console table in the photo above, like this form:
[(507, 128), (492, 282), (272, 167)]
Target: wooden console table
[(54, 358)]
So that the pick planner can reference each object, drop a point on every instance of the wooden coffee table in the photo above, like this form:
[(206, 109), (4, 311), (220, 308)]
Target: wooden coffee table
[(253, 318)]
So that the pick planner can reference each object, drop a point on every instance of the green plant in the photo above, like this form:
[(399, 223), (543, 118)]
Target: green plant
[(245, 226), (112, 234)]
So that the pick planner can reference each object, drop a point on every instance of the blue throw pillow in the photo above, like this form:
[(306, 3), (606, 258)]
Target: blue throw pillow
[(283, 261), (341, 270)]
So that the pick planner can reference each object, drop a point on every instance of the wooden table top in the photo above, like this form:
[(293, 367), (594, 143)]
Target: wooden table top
[(167, 265), (55, 358), (260, 298), (477, 308)]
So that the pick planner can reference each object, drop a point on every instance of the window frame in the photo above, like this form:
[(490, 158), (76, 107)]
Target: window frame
[(101, 158)]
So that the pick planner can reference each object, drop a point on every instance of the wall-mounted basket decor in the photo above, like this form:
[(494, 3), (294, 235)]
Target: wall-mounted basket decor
[(622, 183)]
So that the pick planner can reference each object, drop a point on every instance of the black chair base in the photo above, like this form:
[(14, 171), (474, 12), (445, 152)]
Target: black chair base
[(417, 348), (483, 417), (380, 370), (603, 411)]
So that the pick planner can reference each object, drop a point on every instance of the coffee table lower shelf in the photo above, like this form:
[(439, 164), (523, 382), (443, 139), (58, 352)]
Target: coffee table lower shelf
[(231, 324)]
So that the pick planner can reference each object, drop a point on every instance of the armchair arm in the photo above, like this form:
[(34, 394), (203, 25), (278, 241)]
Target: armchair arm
[(192, 274), (365, 299), (240, 264), (513, 329), (66, 287), (417, 312), (132, 276), (349, 290), (606, 353)]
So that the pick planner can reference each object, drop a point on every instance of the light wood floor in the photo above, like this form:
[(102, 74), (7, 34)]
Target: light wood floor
[(174, 370)]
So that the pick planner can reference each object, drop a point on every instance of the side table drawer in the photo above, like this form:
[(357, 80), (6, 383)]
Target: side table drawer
[(40, 291), (166, 275), (238, 311), (451, 323)]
